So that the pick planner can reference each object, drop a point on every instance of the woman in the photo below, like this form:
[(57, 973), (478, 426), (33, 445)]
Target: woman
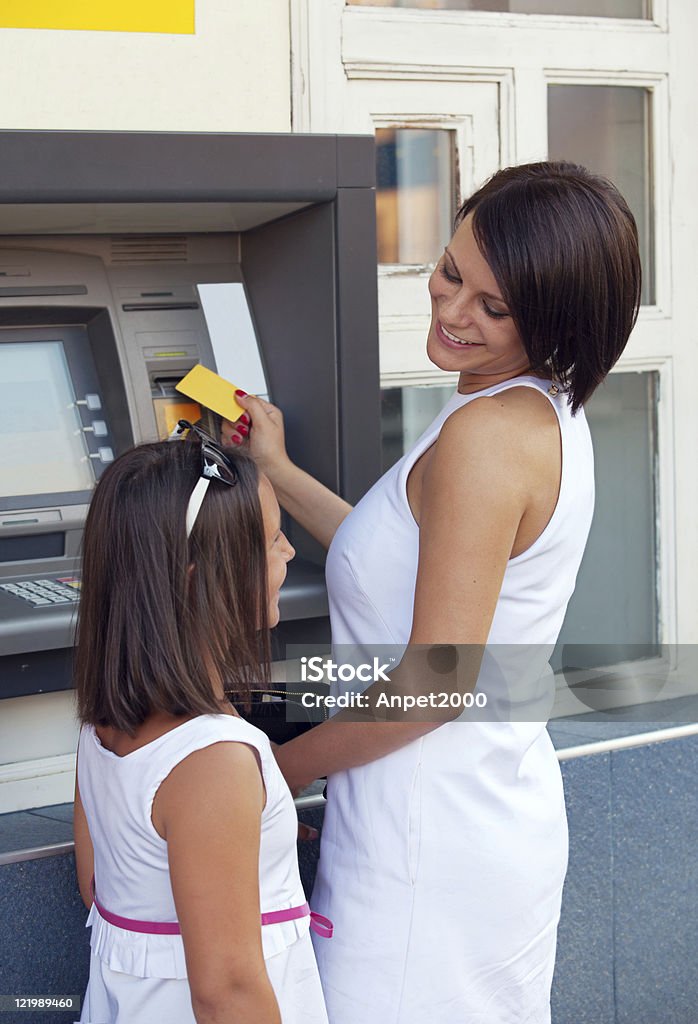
[(444, 846)]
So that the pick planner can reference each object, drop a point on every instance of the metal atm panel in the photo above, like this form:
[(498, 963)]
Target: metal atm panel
[(120, 318)]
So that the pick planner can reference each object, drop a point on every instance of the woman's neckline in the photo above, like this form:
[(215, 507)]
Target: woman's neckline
[(544, 378)]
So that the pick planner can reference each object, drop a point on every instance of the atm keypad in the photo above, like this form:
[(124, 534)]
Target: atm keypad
[(44, 592)]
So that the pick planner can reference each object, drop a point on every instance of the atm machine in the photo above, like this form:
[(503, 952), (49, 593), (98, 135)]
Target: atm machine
[(126, 259)]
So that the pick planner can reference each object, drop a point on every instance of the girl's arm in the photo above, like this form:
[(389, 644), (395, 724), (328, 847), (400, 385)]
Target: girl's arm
[(318, 509), (476, 489), (209, 811), (84, 853)]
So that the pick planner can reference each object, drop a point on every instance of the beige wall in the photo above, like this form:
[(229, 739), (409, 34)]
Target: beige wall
[(232, 75)]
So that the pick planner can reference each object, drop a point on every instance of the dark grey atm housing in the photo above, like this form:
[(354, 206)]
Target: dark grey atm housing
[(103, 239)]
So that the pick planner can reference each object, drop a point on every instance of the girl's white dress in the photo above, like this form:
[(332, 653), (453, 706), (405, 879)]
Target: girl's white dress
[(442, 864), (140, 978)]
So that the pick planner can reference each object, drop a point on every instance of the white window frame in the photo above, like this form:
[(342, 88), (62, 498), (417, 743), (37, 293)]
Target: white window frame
[(657, 22)]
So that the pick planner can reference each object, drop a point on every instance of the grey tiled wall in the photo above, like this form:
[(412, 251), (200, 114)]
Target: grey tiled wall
[(628, 939), (43, 942)]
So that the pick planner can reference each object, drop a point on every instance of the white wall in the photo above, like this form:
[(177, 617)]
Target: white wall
[(232, 75)]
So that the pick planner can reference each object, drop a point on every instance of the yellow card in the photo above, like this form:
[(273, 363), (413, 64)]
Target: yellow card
[(208, 389)]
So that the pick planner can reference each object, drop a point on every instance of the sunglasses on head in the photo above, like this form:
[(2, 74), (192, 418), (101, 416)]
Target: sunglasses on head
[(215, 465)]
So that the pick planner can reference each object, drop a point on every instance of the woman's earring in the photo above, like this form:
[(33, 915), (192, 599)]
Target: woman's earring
[(553, 390)]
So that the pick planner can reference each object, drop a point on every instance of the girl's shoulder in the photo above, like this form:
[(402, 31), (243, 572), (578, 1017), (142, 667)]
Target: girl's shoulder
[(175, 742), (205, 730)]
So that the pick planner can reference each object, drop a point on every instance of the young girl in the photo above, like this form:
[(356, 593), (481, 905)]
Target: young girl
[(185, 830)]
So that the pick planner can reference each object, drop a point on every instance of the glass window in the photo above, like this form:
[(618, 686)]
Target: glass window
[(586, 8), (405, 414), (607, 129), (613, 615), (416, 193)]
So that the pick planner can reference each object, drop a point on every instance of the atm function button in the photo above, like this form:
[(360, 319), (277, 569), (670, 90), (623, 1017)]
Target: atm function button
[(104, 454), (100, 428), (35, 600)]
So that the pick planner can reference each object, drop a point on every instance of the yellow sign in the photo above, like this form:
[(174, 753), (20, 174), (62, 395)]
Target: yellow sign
[(100, 15)]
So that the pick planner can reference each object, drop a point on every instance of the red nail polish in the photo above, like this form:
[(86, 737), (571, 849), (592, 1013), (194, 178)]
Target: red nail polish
[(243, 430), (236, 439), (245, 418), (242, 394)]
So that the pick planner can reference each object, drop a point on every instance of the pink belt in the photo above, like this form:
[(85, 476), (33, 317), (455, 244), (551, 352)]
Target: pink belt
[(319, 924)]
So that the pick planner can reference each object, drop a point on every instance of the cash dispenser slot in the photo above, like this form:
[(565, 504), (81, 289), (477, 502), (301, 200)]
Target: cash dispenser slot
[(165, 387), (156, 307)]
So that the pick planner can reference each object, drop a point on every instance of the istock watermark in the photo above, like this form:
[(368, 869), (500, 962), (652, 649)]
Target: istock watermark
[(606, 683), (317, 669)]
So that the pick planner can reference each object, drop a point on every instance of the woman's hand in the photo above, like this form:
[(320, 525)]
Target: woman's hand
[(264, 430), (306, 833), (316, 508), (234, 433)]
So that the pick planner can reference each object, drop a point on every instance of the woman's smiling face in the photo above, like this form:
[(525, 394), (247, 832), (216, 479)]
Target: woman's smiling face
[(472, 331)]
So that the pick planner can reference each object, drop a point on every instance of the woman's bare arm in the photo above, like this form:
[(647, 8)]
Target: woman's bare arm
[(209, 811), (315, 507)]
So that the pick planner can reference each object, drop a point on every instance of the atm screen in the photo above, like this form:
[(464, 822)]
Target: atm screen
[(42, 444), (55, 437)]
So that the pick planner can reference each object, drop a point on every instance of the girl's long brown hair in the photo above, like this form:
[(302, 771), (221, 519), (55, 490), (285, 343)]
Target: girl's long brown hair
[(164, 618)]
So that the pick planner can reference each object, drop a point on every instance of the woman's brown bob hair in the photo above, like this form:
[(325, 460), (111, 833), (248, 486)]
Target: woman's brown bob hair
[(562, 245), (164, 619)]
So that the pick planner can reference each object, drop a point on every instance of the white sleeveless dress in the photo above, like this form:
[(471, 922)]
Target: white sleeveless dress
[(442, 864), (138, 978)]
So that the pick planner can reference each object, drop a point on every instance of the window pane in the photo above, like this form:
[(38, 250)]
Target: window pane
[(607, 129), (613, 615), (586, 8), (405, 414), (415, 197)]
